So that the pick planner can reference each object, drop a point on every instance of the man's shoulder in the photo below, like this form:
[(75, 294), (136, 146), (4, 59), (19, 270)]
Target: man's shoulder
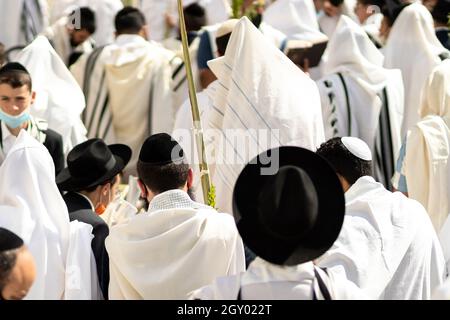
[(90, 217)]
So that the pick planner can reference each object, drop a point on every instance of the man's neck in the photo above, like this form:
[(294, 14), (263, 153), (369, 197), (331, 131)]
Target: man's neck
[(16, 131)]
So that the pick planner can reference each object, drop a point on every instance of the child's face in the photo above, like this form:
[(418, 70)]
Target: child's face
[(14, 101)]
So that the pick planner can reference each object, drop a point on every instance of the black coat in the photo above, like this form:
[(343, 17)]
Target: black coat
[(54, 144), (80, 209), (443, 37)]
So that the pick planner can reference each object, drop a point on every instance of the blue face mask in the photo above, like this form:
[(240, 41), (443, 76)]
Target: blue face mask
[(14, 121)]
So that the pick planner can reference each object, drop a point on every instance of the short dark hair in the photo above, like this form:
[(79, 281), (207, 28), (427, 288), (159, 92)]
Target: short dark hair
[(195, 17), (336, 3), (129, 20), (392, 14), (347, 165), (87, 18), (15, 75), (7, 262), (441, 11), (110, 181), (2, 54), (160, 179), (378, 3)]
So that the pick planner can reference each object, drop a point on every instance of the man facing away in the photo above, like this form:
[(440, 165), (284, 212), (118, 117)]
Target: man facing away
[(287, 218), (92, 179), (387, 245), (16, 98), (178, 245), (127, 86)]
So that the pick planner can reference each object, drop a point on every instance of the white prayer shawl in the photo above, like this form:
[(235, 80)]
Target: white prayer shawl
[(387, 245), (426, 165), (128, 91), (372, 26), (266, 281), (263, 101), (361, 66), (32, 207), (105, 12), (443, 292), (58, 35), (11, 19), (168, 253), (295, 18), (217, 11), (413, 42), (328, 24), (59, 99)]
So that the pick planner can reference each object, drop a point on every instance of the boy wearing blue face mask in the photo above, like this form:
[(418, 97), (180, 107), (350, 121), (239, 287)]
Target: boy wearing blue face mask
[(16, 97)]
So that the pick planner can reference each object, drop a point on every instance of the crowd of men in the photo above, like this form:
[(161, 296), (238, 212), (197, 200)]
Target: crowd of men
[(330, 178)]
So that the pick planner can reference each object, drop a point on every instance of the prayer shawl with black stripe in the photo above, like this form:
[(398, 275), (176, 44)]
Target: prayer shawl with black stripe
[(128, 90), (360, 98), (262, 101), (23, 20)]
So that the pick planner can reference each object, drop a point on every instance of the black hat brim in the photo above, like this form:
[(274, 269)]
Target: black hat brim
[(330, 218), (67, 182)]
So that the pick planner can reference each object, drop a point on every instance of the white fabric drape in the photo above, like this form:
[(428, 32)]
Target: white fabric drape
[(413, 47), (263, 101), (426, 166), (351, 53), (32, 207), (168, 253), (387, 245), (59, 99)]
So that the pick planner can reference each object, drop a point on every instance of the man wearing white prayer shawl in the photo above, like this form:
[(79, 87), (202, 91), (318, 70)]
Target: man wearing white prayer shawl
[(157, 13), (387, 245), (178, 245), (370, 17), (362, 99), (423, 170), (36, 212), (412, 47), (71, 37), (288, 219), (297, 20), (332, 10), (127, 86), (263, 101), (105, 11), (59, 99), (23, 20)]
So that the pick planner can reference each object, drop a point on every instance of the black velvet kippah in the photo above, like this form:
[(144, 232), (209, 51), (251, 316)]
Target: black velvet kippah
[(9, 240), (13, 66), (161, 149)]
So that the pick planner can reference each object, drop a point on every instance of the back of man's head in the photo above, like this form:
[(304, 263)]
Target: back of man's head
[(83, 19), (161, 166), (15, 75), (345, 163), (195, 17), (129, 20), (441, 12)]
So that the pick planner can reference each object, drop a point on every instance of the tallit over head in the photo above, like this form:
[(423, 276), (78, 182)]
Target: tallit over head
[(428, 148), (263, 101), (32, 207), (413, 48), (295, 18), (59, 99)]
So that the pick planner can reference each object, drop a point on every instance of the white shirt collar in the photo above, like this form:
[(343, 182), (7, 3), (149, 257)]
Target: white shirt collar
[(89, 200), (173, 199), (5, 131)]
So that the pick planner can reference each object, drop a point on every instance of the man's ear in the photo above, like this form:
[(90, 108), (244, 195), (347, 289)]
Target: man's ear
[(33, 97), (143, 188), (144, 33), (190, 180)]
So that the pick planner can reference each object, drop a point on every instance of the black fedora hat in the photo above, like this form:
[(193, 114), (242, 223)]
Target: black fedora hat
[(293, 216), (92, 163)]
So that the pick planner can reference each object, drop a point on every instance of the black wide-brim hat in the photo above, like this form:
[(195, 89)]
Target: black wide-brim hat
[(91, 164), (330, 210)]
